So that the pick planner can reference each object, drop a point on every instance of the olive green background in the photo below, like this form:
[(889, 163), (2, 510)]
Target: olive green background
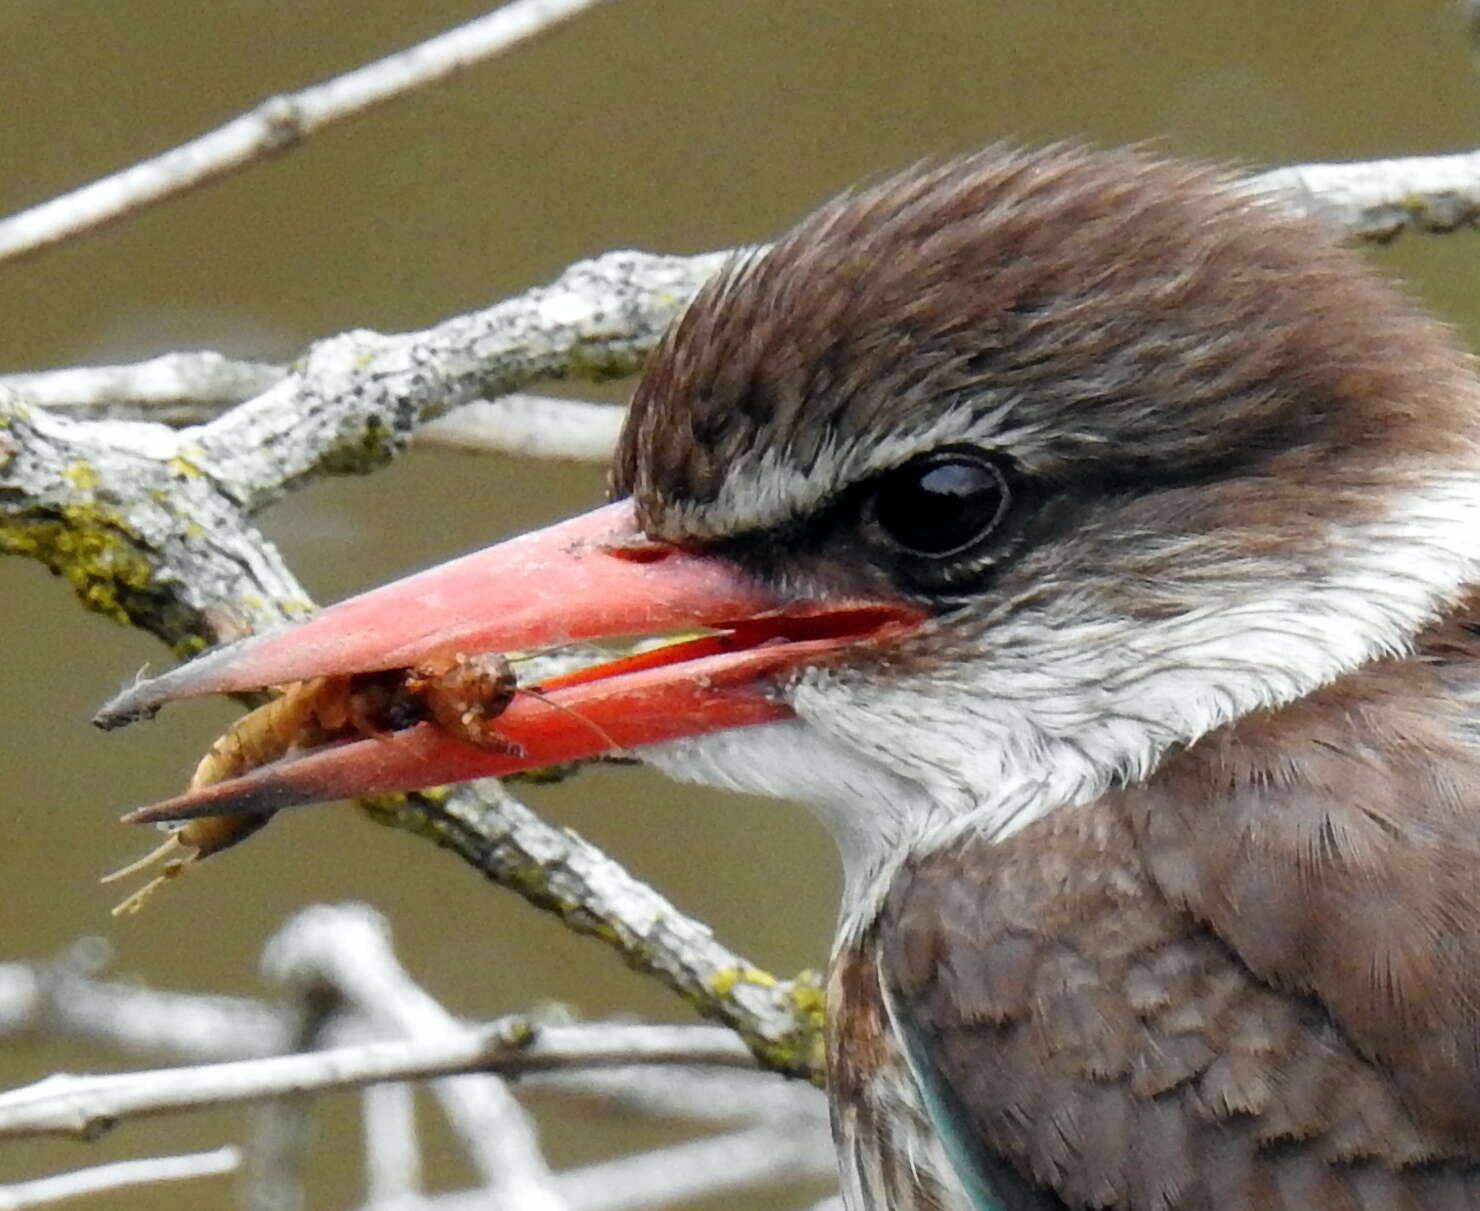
[(672, 125)]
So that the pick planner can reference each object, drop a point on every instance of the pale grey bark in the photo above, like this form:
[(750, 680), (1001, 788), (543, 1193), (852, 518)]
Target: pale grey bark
[(336, 968), (346, 948), (99, 1179), (87, 1105), (280, 123), (1379, 199)]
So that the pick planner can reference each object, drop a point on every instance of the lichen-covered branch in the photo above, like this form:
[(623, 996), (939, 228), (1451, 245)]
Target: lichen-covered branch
[(781, 1020), (150, 525), (147, 523), (138, 528), (354, 400)]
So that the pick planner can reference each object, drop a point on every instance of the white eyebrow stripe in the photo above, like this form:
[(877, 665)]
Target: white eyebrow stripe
[(769, 491)]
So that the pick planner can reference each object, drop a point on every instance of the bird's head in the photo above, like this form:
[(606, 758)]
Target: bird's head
[(1003, 477)]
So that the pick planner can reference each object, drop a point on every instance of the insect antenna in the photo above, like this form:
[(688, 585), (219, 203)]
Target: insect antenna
[(536, 692)]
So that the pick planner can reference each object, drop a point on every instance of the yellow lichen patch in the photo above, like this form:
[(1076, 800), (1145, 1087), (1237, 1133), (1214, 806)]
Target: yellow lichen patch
[(801, 1050), (81, 475), (727, 979), (808, 996)]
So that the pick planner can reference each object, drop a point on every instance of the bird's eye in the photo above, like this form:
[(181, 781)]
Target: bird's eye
[(941, 504)]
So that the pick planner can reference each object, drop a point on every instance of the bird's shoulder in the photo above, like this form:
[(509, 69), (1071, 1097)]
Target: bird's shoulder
[(1253, 981), (1334, 846)]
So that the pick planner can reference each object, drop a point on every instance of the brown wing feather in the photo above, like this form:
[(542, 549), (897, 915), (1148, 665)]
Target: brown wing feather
[(1339, 855), (1249, 984)]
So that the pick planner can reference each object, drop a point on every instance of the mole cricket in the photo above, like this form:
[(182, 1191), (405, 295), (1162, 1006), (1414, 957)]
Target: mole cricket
[(459, 693)]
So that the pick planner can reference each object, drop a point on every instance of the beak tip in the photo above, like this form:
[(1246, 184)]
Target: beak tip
[(210, 672), (131, 705)]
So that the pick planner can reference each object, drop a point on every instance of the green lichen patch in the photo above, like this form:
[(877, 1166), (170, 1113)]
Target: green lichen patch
[(376, 445), (188, 646), (85, 544)]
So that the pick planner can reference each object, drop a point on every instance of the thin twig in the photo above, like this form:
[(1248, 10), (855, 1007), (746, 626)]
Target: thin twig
[(41, 999), (346, 947), (693, 1169), (99, 1179), (697, 1094), (88, 1106), (280, 123)]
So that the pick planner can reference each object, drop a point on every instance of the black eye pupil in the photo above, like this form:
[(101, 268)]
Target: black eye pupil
[(941, 504)]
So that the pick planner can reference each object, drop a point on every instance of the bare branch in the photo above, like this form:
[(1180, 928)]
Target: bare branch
[(702, 1094), (180, 389), (174, 388), (664, 1177), (99, 1179), (534, 426), (694, 1169), (356, 398), (275, 1164), (392, 1153), (280, 123), (347, 947), (88, 1106), (56, 1000), (1379, 199), (275, 1158)]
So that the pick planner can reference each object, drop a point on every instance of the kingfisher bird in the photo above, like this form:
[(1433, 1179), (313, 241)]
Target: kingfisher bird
[(1094, 544)]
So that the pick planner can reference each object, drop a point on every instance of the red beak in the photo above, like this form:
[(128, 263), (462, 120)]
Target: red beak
[(595, 576)]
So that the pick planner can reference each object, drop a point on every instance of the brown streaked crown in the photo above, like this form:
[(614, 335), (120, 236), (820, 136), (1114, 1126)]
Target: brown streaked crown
[(1107, 317)]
